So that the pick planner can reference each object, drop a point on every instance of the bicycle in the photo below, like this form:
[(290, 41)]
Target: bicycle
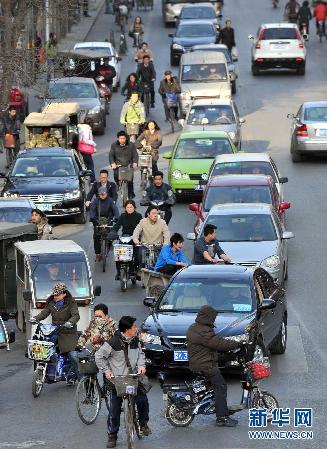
[(171, 102), (103, 229), (122, 44), (145, 164), (146, 97), (132, 130), (125, 175)]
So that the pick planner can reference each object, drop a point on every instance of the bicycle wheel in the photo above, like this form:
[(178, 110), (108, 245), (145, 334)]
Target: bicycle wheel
[(129, 412), (144, 179), (104, 253), (123, 279), (147, 103), (37, 382), (266, 400), (88, 399), (124, 193), (171, 119)]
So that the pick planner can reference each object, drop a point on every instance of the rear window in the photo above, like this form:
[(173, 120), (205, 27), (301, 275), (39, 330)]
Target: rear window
[(279, 33), (236, 194), (315, 114), (244, 168)]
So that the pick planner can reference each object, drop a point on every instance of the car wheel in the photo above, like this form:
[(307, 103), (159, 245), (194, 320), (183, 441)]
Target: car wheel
[(296, 157), (234, 87), (81, 218), (301, 70), (173, 60), (255, 70), (278, 346)]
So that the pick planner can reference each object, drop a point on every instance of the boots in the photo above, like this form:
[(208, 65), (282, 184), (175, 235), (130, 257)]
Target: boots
[(145, 429), (112, 440), (226, 421)]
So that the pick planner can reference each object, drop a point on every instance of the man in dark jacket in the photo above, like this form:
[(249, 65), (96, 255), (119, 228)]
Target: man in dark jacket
[(146, 74), (11, 126), (160, 191), (107, 71), (103, 182), (123, 153), (203, 345), (227, 36), (102, 207), (169, 85), (304, 16)]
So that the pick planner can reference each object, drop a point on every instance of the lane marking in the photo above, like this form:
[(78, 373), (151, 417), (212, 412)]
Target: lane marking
[(24, 444)]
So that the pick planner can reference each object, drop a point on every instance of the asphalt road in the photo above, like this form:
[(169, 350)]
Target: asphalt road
[(298, 376)]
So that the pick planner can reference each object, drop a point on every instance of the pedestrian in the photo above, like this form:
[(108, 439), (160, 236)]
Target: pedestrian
[(227, 35), (86, 8), (51, 53), (122, 355), (131, 85), (151, 137), (171, 257), (86, 145), (207, 247), (169, 85), (146, 75), (103, 181), (137, 27), (10, 131), (123, 153), (44, 230)]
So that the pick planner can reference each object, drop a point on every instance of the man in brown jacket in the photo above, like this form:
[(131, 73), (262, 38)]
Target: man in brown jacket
[(203, 345)]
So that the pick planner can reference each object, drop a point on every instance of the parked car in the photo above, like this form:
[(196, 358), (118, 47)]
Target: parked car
[(189, 33), (230, 59), (309, 130), (171, 9), (203, 75), (53, 179), (211, 113), (252, 235), (235, 189), (114, 58), (246, 164), (203, 11), (191, 157), (16, 210), (83, 91), (250, 306), (278, 46)]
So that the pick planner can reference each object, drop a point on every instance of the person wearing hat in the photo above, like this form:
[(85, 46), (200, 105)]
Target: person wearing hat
[(63, 310), (44, 230), (102, 207), (169, 85), (44, 139)]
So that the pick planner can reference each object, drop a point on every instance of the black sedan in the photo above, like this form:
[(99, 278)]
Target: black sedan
[(53, 178), (251, 307)]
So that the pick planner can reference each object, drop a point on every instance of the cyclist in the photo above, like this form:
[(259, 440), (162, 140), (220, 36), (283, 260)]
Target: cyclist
[(108, 72), (203, 344), (122, 355), (151, 137), (169, 85), (291, 11), (44, 230), (141, 52), (132, 112), (123, 153), (11, 130), (103, 182), (147, 76), (304, 16), (160, 191), (206, 247), (171, 257), (131, 85), (137, 27), (101, 207), (320, 13)]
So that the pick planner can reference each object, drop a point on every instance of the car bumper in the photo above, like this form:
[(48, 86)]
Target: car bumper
[(311, 146), (97, 120), (279, 63), (65, 209), (188, 187)]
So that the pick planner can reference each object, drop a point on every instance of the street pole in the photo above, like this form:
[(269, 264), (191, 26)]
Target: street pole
[(47, 23)]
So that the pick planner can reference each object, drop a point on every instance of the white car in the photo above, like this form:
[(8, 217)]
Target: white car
[(278, 46), (112, 54)]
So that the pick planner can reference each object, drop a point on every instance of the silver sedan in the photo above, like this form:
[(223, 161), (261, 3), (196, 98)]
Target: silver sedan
[(309, 130)]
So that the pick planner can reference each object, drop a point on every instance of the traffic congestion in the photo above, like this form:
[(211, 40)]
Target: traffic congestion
[(159, 232)]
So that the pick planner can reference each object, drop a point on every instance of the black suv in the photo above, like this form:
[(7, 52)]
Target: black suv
[(53, 178), (250, 307)]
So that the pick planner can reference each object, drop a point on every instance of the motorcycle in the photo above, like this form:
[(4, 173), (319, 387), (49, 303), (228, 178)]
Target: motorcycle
[(304, 31), (105, 92), (145, 164), (123, 252), (49, 365)]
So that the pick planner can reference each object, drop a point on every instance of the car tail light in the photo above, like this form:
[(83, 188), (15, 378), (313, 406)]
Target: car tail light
[(302, 131), (259, 59), (299, 38), (260, 37), (298, 59)]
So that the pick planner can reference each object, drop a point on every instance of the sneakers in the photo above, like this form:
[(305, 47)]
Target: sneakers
[(112, 440), (145, 429), (226, 421)]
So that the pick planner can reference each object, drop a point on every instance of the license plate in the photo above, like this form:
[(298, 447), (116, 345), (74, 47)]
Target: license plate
[(278, 46), (121, 251), (321, 132), (44, 207), (199, 187), (180, 356)]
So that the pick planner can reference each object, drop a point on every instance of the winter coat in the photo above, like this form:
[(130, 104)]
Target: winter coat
[(44, 230), (132, 113), (111, 189), (103, 208), (139, 55), (124, 155), (108, 72), (67, 338), (86, 143), (127, 222), (152, 233), (227, 37), (146, 74), (98, 332), (128, 88), (169, 88), (10, 125), (154, 140), (203, 343)]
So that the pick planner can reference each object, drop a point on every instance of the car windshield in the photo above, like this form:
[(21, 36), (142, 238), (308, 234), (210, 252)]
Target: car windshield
[(278, 33), (15, 214), (186, 30), (205, 148), (204, 72), (106, 50), (72, 90), (244, 228), (245, 168), (216, 115), (315, 114), (3, 339), (43, 166), (191, 295), (197, 13), (69, 268), (236, 194)]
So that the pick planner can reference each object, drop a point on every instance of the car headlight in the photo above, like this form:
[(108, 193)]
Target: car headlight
[(185, 176), (239, 338), (177, 47), (176, 174), (73, 195), (11, 195), (271, 262), (149, 338), (185, 96), (231, 135), (95, 110)]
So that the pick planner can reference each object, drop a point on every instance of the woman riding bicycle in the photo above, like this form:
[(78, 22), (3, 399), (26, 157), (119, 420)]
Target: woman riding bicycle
[(131, 85), (137, 30), (151, 137)]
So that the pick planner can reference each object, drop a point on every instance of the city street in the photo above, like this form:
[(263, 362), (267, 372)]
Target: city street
[(51, 421)]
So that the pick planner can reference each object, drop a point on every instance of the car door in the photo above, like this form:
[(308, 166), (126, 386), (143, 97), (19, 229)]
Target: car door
[(282, 244), (277, 177), (237, 121), (295, 121), (79, 165), (117, 66)]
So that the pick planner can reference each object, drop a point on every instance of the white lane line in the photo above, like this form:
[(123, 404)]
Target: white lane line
[(294, 360), (24, 444)]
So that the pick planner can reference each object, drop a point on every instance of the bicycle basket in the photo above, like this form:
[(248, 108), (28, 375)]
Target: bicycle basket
[(172, 100), (125, 174), (86, 364), (126, 385), (132, 129), (39, 350), (123, 253), (145, 160), (259, 370)]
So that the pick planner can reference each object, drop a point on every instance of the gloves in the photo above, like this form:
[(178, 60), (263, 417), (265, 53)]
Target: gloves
[(68, 325)]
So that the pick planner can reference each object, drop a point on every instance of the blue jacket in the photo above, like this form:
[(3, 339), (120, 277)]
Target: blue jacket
[(168, 257), (107, 208)]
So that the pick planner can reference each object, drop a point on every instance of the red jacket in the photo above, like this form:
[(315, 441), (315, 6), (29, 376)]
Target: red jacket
[(320, 12)]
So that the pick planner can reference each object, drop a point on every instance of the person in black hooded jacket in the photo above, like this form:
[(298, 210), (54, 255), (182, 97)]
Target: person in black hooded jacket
[(203, 345)]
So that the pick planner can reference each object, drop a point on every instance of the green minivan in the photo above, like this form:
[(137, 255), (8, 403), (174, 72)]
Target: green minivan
[(191, 159)]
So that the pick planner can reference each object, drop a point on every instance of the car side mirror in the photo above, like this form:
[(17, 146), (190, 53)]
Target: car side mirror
[(190, 236), (283, 180), (11, 336), (171, 35), (149, 301), (97, 290), (219, 15), (267, 304), (284, 206), (234, 58), (287, 235), (167, 155), (194, 207), (242, 120), (27, 295), (251, 37), (291, 116), (119, 58)]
